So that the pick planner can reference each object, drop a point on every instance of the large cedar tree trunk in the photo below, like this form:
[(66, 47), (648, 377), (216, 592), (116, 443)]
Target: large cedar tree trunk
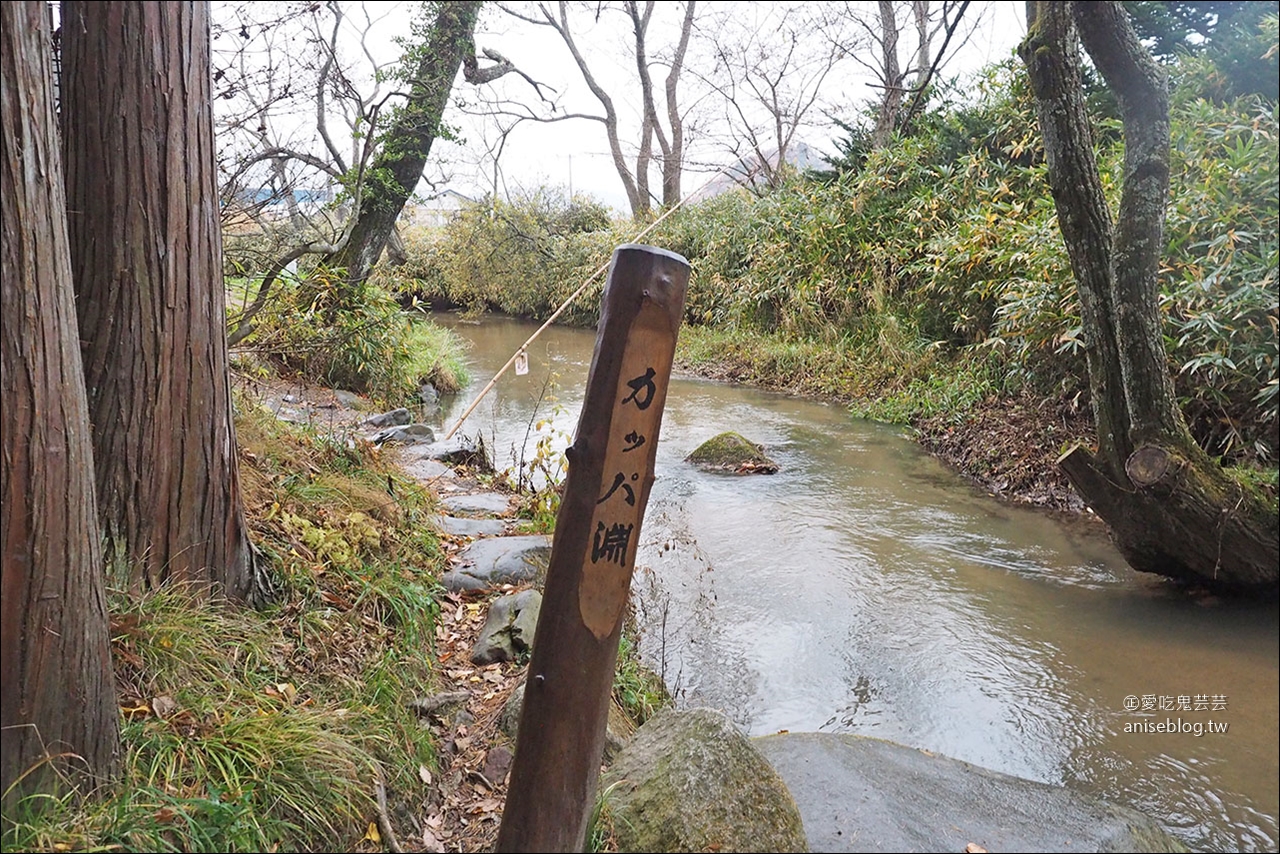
[(147, 259), (1171, 509), (57, 695), (406, 144)]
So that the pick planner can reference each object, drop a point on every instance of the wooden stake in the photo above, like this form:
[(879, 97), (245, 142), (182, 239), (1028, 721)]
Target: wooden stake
[(575, 648)]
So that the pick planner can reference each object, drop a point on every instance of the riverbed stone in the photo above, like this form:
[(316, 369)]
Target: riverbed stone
[(508, 628), (455, 526), (690, 781), (500, 560), (733, 453), (479, 504), (865, 794)]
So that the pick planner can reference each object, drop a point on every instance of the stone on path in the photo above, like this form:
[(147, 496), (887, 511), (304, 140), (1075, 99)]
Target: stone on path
[(865, 794), (410, 434), (508, 628), (501, 560), (480, 504), (456, 527), (422, 469), (350, 399), (689, 781), (394, 418), (461, 451)]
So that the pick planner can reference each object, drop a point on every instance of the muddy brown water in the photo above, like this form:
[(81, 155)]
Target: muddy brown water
[(866, 588)]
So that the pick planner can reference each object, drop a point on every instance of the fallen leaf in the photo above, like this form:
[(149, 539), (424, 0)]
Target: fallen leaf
[(974, 848), (334, 600), (373, 835), (163, 706), (425, 774)]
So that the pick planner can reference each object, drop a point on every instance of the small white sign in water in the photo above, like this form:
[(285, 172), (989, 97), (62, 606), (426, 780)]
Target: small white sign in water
[(522, 363)]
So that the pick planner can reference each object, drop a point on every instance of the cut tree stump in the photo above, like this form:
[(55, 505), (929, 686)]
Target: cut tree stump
[(1183, 519)]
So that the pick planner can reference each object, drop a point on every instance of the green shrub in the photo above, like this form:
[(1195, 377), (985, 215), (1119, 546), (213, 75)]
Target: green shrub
[(522, 258), (374, 347)]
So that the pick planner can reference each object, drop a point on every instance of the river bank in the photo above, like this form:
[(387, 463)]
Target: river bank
[(1006, 443)]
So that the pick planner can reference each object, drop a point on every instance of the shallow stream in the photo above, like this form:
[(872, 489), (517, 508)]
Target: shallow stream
[(866, 588)]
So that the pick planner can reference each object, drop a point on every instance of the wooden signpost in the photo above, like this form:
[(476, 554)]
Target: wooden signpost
[(575, 648)]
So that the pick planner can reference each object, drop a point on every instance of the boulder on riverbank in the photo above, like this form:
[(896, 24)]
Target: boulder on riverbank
[(865, 794), (731, 452), (689, 781)]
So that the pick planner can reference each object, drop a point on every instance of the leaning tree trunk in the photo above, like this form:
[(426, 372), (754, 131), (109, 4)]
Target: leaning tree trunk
[(55, 661), (395, 172), (1171, 509), (146, 253)]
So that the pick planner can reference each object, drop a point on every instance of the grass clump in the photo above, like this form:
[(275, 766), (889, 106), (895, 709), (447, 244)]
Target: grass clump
[(262, 731), (891, 377), (371, 345), (639, 691)]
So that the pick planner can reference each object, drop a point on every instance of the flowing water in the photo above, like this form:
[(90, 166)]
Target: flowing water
[(866, 588)]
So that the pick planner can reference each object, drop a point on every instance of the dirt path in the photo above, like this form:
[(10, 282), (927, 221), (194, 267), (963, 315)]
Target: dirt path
[(469, 783)]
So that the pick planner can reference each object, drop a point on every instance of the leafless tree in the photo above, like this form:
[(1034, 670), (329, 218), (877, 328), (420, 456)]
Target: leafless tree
[(668, 129), (769, 73), (873, 43), (372, 117)]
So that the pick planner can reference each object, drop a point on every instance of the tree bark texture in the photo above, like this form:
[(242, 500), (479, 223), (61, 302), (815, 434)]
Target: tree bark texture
[(146, 254), (58, 696), (1171, 509), (1053, 65), (395, 172), (891, 104), (1142, 90)]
